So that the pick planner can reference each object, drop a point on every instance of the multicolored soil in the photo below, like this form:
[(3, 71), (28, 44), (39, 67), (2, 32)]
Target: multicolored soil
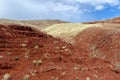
[(29, 54)]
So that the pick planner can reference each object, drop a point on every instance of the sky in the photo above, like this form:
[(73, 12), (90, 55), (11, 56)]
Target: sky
[(66, 10)]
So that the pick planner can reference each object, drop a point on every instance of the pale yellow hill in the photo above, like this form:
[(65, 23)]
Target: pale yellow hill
[(67, 31)]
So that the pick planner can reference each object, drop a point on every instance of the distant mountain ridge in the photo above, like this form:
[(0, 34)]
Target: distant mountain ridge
[(112, 20), (40, 23)]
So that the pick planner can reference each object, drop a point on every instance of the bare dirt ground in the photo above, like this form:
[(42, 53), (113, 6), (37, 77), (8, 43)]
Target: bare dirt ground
[(29, 54)]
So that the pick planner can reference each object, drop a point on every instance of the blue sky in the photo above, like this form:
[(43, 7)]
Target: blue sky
[(67, 10)]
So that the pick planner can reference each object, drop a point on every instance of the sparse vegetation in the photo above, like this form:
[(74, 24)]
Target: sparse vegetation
[(16, 58), (34, 72), (88, 78), (1, 57), (26, 77), (54, 78), (23, 45), (37, 62), (36, 46), (77, 78), (76, 68), (6, 76), (9, 53), (63, 73)]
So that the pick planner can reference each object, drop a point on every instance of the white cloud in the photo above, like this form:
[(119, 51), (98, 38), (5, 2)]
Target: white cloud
[(29, 9), (69, 10), (99, 7), (97, 4), (65, 7)]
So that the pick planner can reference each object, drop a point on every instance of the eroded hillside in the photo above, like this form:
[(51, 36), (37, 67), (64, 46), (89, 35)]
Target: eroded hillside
[(67, 51)]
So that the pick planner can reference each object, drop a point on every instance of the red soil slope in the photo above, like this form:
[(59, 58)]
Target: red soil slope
[(103, 43), (26, 54)]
